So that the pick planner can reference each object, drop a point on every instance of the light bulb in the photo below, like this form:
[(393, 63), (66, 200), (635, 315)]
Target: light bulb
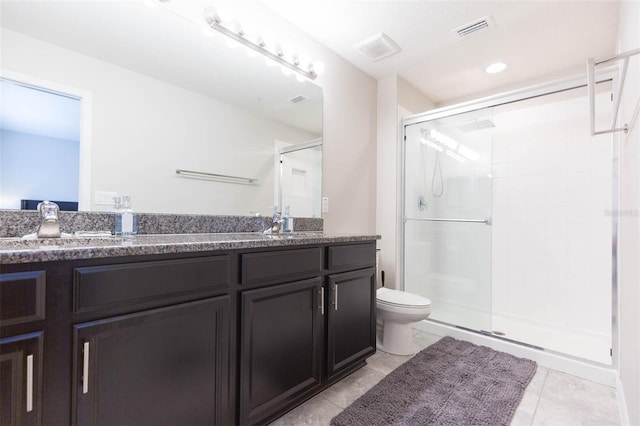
[(286, 49), (225, 13), (303, 61), (318, 67), (211, 16), (250, 29)]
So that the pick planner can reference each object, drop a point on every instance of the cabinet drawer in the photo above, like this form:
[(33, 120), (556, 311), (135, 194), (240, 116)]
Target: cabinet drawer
[(281, 265), (352, 256), (23, 297), (147, 283)]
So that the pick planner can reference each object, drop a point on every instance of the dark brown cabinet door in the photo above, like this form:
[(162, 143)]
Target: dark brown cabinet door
[(351, 318), (281, 347), (166, 366), (21, 380)]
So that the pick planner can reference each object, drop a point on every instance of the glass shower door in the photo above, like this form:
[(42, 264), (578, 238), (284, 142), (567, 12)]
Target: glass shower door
[(447, 217)]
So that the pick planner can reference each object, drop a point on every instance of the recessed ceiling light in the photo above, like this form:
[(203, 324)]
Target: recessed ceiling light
[(497, 67)]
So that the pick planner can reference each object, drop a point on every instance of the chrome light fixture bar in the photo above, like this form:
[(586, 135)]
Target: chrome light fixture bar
[(215, 23)]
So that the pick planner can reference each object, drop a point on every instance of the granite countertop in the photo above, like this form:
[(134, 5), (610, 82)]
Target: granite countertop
[(16, 250)]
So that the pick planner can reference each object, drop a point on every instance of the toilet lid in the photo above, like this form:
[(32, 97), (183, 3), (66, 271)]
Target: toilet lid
[(401, 298)]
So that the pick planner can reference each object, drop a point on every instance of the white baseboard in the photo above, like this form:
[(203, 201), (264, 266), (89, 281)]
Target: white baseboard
[(600, 374), (622, 403)]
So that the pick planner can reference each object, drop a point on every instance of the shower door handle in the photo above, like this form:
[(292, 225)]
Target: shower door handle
[(486, 221)]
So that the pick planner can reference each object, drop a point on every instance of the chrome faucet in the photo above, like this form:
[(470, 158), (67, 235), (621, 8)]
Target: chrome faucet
[(277, 223), (49, 223)]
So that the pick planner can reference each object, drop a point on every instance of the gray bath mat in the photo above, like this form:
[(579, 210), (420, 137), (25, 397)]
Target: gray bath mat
[(449, 383)]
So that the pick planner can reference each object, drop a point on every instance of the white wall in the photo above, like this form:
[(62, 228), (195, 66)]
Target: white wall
[(144, 129), (629, 235), (387, 220), (396, 100), (349, 146), (411, 100), (27, 172)]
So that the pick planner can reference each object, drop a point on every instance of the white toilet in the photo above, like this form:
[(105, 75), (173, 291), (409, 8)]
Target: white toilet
[(397, 310)]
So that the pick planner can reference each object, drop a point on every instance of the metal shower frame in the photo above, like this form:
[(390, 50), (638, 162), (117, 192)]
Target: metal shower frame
[(613, 74)]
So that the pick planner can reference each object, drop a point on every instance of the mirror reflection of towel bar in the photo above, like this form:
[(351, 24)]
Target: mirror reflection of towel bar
[(217, 177)]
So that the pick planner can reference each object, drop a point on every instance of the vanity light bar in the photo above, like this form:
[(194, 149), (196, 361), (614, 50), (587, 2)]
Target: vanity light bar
[(215, 23)]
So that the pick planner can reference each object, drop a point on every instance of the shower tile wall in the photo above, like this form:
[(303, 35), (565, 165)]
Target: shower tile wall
[(551, 240)]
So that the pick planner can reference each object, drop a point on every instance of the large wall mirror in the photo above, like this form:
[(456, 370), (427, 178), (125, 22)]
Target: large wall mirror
[(137, 93)]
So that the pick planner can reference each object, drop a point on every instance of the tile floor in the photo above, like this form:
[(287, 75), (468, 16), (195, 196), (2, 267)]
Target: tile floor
[(552, 398)]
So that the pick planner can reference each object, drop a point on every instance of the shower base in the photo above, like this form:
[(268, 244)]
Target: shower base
[(579, 343)]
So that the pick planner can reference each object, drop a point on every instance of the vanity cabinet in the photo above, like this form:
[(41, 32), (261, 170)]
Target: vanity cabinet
[(281, 347), (218, 337), (351, 319), (22, 312), (352, 309), (162, 366), (165, 366), (298, 337), (20, 380)]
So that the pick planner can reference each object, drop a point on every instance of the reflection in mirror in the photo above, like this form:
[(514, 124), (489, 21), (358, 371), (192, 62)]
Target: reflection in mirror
[(36, 126), (300, 178), (156, 95)]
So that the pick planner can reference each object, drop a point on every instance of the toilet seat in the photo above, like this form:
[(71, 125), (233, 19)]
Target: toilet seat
[(386, 296)]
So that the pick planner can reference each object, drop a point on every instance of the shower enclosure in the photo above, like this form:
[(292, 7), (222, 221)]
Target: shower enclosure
[(509, 218)]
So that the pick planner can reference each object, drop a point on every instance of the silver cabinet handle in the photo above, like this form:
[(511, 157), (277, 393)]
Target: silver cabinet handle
[(321, 300), (29, 383), (85, 368), (335, 298)]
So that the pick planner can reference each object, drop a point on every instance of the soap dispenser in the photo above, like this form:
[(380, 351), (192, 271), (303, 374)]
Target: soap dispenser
[(117, 213), (126, 224), (287, 221), (128, 218)]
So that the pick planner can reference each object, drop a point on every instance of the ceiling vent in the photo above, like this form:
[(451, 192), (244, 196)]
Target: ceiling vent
[(377, 47), (475, 26), (298, 99)]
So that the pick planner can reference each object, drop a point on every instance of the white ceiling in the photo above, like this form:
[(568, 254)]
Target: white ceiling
[(537, 40)]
